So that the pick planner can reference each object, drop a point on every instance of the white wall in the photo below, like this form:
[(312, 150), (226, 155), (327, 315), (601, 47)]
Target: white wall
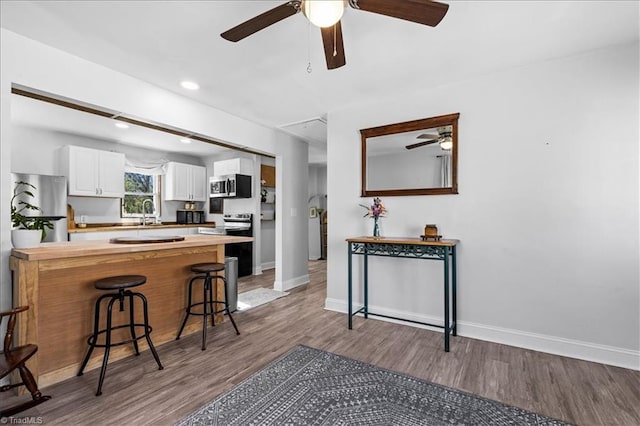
[(292, 174), (36, 65), (547, 214)]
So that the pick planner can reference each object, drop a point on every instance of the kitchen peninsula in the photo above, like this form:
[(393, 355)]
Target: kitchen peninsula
[(56, 281)]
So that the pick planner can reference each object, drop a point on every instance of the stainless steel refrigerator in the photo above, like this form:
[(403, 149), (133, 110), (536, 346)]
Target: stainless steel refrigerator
[(51, 196)]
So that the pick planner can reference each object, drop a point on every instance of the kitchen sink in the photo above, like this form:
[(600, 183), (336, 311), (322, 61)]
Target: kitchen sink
[(146, 239)]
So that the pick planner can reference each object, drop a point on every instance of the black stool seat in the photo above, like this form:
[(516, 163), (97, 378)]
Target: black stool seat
[(205, 271), (203, 268), (121, 283)]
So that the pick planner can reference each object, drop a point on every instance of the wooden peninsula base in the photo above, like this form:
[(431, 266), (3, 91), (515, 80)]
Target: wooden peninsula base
[(56, 281)]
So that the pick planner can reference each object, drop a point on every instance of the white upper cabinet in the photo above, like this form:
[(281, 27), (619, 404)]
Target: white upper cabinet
[(199, 179), (92, 172), (233, 166), (185, 182)]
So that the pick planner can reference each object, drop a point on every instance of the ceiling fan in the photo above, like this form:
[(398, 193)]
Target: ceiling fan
[(326, 14), (443, 138)]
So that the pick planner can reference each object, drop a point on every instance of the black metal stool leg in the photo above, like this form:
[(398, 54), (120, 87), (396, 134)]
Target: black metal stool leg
[(132, 326), (212, 300), (107, 348), (205, 302), (93, 339), (147, 328), (188, 310)]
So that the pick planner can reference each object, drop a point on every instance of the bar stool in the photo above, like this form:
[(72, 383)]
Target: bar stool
[(120, 283), (205, 270)]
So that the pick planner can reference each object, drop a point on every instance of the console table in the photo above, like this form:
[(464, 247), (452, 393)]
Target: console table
[(413, 248)]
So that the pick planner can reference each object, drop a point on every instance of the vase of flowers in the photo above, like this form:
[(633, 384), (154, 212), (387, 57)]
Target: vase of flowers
[(375, 211)]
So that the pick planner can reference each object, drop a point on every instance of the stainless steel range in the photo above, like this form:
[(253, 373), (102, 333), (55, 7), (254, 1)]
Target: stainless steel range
[(240, 224)]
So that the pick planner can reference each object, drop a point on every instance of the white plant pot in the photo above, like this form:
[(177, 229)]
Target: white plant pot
[(25, 238)]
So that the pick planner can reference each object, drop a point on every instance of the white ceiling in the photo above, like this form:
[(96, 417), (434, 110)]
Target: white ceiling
[(264, 77)]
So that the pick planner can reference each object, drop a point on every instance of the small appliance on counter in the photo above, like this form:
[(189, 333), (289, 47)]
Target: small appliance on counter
[(188, 217)]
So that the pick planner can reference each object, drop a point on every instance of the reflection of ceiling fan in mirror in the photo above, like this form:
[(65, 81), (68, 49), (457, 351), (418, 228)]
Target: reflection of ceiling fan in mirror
[(443, 138), (326, 14)]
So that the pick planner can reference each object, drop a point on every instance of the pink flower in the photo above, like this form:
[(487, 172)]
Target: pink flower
[(376, 210)]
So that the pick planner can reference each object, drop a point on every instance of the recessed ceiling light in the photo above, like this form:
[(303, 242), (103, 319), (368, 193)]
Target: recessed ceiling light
[(185, 140), (121, 125), (190, 85)]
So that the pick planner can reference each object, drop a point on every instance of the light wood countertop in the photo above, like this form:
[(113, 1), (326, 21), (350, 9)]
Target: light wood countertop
[(69, 249), (115, 227)]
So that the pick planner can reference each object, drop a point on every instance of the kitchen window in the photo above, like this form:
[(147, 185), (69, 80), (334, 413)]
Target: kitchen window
[(139, 187)]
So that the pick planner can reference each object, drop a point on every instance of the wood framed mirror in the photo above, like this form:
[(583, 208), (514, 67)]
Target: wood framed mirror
[(418, 157)]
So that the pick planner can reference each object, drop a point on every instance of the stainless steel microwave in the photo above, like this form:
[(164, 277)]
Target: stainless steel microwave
[(230, 186)]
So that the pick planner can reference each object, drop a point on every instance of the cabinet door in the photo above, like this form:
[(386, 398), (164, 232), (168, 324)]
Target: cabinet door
[(82, 171), (111, 174), (178, 182), (221, 168), (199, 183), (268, 174), (233, 166), (94, 173)]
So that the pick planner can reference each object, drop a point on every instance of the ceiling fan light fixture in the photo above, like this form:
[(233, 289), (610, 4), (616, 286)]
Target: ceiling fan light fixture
[(446, 143), (323, 13)]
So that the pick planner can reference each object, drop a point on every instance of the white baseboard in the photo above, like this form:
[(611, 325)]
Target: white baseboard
[(268, 265), (611, 355), (292, 283)]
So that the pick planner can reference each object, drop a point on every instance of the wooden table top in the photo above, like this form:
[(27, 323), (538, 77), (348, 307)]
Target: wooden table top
[(403, 240), (68, 249)]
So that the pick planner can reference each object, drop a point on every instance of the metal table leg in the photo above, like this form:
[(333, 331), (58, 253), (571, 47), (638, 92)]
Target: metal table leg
[(446, 299)]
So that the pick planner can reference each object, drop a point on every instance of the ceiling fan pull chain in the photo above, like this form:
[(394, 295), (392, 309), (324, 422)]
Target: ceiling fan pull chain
[(335, 47)]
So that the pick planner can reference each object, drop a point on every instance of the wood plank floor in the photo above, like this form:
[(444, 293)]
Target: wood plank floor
[(135, 392)]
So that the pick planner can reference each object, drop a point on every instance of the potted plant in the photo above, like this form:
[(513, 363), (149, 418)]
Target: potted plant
[(28, 231)]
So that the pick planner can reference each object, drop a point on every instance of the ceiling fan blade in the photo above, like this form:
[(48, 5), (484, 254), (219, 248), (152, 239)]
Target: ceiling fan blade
[(427, 136), (262, 21), (424, 12), (333, 46), (419, 144)]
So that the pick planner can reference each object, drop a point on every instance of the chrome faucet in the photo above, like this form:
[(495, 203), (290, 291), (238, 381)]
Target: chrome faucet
[(144, 211)]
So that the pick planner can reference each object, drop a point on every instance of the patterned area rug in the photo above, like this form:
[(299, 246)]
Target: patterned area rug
[(308, 386), (257, 297)]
